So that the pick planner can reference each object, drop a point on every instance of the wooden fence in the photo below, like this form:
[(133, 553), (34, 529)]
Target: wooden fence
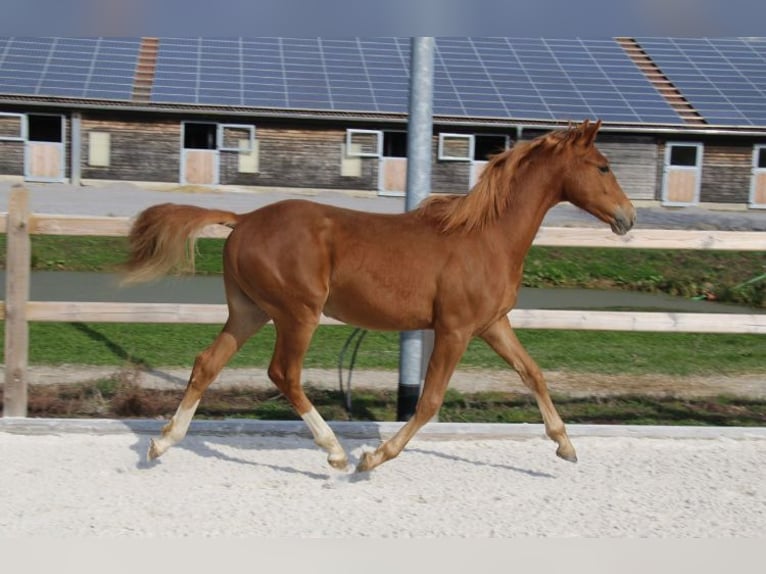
[(19, 224)]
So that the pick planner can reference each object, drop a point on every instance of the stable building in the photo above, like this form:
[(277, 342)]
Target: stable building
[(684, 120)]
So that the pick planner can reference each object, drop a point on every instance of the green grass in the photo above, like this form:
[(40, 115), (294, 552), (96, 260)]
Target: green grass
[(66, 253), (107, 254), (688, 273), (168, 345)]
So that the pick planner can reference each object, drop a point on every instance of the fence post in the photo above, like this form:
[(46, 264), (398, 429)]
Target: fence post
[(18, 259)]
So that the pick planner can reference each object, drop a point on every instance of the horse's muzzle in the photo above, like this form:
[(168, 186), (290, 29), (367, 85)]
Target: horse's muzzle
[(623, 220)]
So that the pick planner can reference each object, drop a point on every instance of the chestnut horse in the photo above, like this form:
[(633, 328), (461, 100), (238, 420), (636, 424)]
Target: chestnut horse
[(453, 265)]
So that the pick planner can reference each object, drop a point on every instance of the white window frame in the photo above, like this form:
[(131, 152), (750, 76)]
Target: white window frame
[(251, 140), (22, 127), (349, 141), (442, 156)]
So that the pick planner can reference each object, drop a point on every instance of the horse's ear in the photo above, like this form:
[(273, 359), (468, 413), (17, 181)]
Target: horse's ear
[(589, 132)]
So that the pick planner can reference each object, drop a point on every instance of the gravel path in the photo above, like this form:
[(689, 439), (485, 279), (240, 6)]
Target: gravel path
[(463, 380), (510, 485)]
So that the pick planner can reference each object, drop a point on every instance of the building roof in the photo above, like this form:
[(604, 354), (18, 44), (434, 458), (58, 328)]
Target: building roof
[(676, 82)]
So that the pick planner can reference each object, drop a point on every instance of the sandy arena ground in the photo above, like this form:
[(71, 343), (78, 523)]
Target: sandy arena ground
[(507, 484)]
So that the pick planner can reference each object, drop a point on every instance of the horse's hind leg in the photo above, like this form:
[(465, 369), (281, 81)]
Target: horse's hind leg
[(503, 340), (293, 338), (208, 364)]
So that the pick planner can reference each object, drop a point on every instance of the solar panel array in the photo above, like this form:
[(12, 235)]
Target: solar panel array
[(347, 75), (519, 78), (544, 79), (474, 77), (70, 67), (724, 79)]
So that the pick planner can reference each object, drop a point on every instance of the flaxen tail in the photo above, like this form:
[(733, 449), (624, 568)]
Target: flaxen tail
[(163, 237)]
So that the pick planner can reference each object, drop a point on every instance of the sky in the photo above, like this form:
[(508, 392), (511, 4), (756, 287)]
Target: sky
[(343, 18)]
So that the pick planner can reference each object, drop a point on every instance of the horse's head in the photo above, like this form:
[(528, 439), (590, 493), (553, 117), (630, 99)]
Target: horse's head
[(588, 181)]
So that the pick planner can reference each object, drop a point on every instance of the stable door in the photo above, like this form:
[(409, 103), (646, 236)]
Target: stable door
[(682, 174), (44, 148)]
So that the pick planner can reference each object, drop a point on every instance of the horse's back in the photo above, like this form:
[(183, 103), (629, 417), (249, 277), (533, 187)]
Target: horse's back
[(292, 221)]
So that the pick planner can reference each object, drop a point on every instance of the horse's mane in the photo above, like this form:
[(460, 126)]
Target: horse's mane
[(493, 194)]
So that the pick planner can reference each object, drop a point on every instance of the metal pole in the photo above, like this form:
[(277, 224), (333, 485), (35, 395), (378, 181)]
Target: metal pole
[(419, 136)]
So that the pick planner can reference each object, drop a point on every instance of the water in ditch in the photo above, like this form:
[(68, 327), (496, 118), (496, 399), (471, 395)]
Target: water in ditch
[(104, 287)]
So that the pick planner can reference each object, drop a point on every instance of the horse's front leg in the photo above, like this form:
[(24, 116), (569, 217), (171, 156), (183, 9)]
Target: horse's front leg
[(448, 348), (293, 338), (503, 340)]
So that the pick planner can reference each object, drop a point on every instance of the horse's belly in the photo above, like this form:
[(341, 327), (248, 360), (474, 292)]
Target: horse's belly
[(382, 314)]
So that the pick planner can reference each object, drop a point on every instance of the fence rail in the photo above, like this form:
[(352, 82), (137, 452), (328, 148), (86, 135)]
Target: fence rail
[(89, 312), (17, 311)]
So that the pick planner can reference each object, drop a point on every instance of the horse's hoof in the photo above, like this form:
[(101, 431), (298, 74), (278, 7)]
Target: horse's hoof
[(153, 452), (567, 453), (365, 463), (340, 463)]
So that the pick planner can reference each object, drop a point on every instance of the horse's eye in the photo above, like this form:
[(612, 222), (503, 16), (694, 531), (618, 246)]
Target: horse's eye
[(603, 168)]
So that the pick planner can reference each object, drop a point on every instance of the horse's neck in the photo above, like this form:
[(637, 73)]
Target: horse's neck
[(521, 221)]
